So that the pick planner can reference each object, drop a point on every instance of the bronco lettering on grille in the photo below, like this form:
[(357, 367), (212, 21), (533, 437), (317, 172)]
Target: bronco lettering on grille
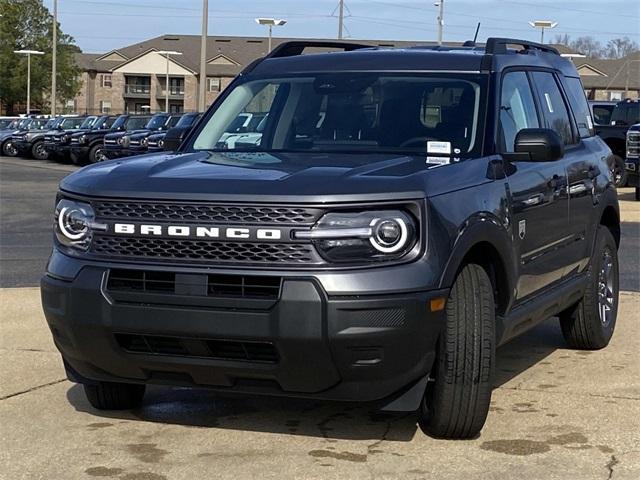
[(192, 231)]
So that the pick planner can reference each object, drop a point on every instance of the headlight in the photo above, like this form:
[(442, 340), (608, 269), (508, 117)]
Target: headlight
[(160, 143), (64, 138), (125, 141), (363, 236), (82, 140), (74, 224), (145, 142)]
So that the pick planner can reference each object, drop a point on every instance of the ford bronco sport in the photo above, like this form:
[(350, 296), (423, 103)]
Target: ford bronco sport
[(403, 213)]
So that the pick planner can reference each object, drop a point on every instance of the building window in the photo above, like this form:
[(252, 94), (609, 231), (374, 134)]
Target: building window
[(214, 84), (105, 107), (615, 96), (105, 80)]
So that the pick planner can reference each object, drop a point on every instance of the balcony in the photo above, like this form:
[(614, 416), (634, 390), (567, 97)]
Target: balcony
[(175, 93), (137, 91)]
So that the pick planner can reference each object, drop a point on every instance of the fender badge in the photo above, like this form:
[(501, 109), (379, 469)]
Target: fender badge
[(522, 229)]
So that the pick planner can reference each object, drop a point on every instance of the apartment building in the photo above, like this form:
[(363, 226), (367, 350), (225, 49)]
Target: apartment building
[(133, 78)]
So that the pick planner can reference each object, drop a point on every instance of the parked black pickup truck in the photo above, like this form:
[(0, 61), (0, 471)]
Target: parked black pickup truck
[(404, 213), (624, 114), (117, 145), (633, 158), (139, 142)]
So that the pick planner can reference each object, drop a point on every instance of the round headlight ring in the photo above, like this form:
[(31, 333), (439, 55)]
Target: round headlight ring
[(384, 245), (66, 223)]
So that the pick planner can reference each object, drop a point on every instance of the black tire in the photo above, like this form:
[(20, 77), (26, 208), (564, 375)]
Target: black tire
[(9, 150), (456, 402), (618, 172), (95, 154), (38, 151), (583, 325), (114, 396)]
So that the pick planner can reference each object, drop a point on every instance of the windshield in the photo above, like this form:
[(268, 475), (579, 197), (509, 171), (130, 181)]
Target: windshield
[(119, 122), (351, 112), (107, 122), (156, 122), (88, 122), (24, 123), (136, 123), (43, 124), (173, 121), (187, 120), (6, 123)]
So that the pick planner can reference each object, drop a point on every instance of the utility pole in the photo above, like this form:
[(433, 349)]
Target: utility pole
[(341, 20), (54, 69), (440, 3), (28, 53), (202, 93)]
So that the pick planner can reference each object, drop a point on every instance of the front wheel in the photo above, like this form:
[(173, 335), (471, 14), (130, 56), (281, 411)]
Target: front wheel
[(456, 401), (114, 396), (618, 172), (9, 149), (96, 154), (589, 325), (39, 152)]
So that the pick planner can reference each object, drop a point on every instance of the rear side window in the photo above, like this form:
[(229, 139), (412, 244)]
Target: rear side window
[(553, 107), (626, 113), (517, 109), (580, 106)]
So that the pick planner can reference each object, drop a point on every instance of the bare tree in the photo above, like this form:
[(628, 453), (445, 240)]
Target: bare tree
[(587, 45), (620, 47)]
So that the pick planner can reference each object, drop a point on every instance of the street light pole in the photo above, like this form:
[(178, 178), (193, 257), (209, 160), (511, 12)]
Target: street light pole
[(440, 4), (166, 96), (28, 53), (54, 69), (542, 25), (271, 22), (341, 20), (202, 102)]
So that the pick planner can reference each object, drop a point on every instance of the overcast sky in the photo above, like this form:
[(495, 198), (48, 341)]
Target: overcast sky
[(102, 25)]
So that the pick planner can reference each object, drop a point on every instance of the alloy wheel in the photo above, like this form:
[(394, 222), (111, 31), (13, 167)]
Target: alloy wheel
[(606, 295)]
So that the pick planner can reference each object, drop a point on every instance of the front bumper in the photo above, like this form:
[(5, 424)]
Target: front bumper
[(333, 347), (57, 149)]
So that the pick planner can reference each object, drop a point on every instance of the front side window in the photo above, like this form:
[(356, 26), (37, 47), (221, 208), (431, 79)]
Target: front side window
[(517, 109), (136, 123), (602, 114), (351, 113), (553, 107)]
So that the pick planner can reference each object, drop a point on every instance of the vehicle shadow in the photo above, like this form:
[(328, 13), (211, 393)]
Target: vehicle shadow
[(332, 421)]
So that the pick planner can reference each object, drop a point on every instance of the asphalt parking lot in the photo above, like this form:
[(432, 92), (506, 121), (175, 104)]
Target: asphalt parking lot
[(555, 414)]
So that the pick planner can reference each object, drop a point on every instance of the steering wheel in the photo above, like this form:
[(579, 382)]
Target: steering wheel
[(416, 140)]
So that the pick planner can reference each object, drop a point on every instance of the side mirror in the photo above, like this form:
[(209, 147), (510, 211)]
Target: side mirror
[(539, 145), (174, 137)]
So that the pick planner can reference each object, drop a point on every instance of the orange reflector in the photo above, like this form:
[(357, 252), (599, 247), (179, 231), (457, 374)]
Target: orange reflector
[(437, 304)]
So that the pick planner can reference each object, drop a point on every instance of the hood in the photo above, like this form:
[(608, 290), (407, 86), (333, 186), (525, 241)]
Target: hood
[(140, 135), (157, 136), (244, 176), (119, 134)]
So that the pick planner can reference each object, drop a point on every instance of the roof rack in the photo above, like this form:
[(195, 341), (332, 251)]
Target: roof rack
[(499, 45), (292, 49)]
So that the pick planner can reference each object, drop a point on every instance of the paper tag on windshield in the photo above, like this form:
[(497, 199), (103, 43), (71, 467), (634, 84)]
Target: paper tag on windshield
[(439, 147), (589, 122), (437, 161)]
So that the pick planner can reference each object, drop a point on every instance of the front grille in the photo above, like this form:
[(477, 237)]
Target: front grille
[(203, 251), (109, 142), (258, 352), (214, 285), (204, 213), (75, 140)]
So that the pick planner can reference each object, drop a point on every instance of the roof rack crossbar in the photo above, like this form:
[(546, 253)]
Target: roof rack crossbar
[(292, 49), (499, 45)]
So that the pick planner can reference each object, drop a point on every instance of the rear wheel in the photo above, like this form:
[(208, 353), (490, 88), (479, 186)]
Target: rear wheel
[(9, 149), (114, 396), (96, 154), (456, 402), (589, 325), (39, 152)]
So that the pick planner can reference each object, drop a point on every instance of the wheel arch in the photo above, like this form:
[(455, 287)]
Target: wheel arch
[(488, 244)]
